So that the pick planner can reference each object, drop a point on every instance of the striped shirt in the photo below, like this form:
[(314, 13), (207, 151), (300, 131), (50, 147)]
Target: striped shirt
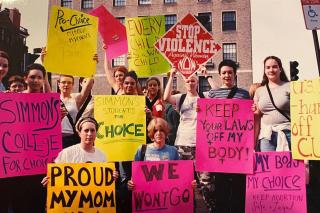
[(224, 92)]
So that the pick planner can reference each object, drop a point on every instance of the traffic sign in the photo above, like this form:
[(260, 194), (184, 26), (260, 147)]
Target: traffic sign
[(311, 11), (187, 45)]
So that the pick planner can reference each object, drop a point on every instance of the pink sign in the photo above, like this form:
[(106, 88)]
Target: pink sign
[(30, 133), (225, 129), (162, 186), (112, 32), (187, 45), (277, 185)]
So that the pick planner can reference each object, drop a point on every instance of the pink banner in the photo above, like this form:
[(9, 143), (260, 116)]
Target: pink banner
[(162, 186), (278, 184), (112, 32), (30, 133), (225, 131)]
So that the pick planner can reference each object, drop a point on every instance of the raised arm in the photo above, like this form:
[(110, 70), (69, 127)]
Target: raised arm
[(109, 72), (87, 85), (167, 92), (209, 78), (46, 85), (85, 91)]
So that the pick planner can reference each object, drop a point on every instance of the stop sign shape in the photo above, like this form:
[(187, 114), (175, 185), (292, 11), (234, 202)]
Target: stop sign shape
[(187, 45)]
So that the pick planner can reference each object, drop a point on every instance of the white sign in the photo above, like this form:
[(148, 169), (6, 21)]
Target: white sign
[(311, 11)]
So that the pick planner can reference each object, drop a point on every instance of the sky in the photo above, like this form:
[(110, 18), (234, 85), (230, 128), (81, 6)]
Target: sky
[(34, 17), (278, 28)]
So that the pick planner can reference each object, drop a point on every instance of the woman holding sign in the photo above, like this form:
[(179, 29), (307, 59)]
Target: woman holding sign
[(84, 152), (31, 197), (158, 130), (115, 76), (272, 103), (72, 103), (225, 192)]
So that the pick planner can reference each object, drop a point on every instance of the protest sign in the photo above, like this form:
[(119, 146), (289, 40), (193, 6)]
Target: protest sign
[(142, 33), (112, 32), (305, 116), (122, 121), (277, 185), (225, 136), (81, 187), (171, 189), (72, 42), (30, 133), (187, 45)]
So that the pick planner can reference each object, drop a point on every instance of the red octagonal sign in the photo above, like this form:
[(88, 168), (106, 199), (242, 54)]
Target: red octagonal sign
[(187, 45)]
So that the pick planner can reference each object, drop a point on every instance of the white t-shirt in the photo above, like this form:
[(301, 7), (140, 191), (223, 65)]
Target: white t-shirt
[(72, 108), (75, 154), (186, 134)]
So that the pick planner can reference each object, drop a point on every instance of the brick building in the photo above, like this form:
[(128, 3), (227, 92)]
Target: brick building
[(227, 20), (13, 40)]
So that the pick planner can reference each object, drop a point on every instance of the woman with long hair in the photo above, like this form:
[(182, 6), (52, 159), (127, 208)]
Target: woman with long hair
[(272, 103), (154, 100)]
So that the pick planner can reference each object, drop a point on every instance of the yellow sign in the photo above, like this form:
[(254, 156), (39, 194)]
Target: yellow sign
[(142, 34), (81, 187), (122, 121), (72, 42), (305, 119)]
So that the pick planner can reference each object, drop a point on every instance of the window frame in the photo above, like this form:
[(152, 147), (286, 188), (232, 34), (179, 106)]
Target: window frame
[(204, 85), (119, 3), (88, 2), (210, 20), (119, 61), (62, 2), (230, 24), (144, 2), (169, 1), (168, 26), (235, 59), (174, 83)]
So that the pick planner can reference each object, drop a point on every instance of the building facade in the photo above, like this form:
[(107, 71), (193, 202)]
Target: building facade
[(13, 40), (227, 20)]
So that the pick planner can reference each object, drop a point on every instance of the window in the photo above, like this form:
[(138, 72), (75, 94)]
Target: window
[(144, 2), (66, 3), (204, 85), (121, 19), (228, 21), (170, 21), (119, 61), (206, 20), (230, 51), (142, 81), (87, 4), (117, 3), (169, 1), (174, 83)]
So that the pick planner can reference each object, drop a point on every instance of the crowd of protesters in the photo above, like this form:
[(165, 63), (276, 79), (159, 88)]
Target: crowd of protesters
[(171, 129)]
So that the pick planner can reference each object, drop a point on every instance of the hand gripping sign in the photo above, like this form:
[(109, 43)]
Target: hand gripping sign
[(187, 45)]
